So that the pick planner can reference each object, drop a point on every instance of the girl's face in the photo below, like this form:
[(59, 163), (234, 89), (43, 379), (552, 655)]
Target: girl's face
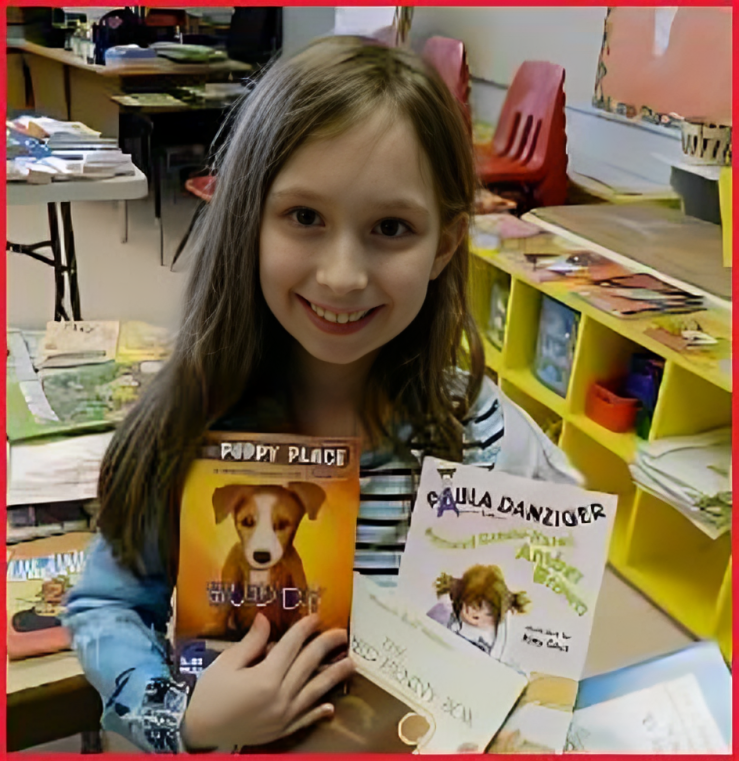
[(480, 616), (350, 237)]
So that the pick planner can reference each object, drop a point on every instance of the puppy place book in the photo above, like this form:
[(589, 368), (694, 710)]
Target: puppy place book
[(267, 524), (513, 568)]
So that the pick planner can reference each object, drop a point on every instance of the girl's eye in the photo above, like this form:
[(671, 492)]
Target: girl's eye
[(392, 228), (305, 217)]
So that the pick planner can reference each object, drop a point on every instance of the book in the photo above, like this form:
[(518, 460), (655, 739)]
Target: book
[(67, 344), (25, 522), (513, 567), (39, 574), (267, 524), (87, 381), (678, 703), (456, 700)]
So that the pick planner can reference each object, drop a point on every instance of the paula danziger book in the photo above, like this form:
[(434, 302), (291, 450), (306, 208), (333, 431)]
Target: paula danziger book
[(267, 524), (513, 566)]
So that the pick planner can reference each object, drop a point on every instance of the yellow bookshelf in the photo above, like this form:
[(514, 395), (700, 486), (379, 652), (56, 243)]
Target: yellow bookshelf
[(653, 546)]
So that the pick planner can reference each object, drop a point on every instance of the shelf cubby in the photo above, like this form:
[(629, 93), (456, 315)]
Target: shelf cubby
[(724, 633), (653, 545), (678, 566), (522, 326), (543, 414), (688, 404), (603, 471)]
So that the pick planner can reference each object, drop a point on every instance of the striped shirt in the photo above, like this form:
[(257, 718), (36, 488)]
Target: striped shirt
[(497, 434)]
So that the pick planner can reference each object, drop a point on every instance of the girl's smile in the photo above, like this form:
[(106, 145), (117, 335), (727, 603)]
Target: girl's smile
[(350, 237), (337, 321)]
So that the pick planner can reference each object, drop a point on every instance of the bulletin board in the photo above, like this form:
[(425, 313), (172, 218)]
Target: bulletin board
[(657, 64)]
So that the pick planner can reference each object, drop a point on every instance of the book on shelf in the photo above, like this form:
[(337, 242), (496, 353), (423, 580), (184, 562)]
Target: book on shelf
[(677, 703), (512, 567), (26, 522), (267, 524), (39, 574)]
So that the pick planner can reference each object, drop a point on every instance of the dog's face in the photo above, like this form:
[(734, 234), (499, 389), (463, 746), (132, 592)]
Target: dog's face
[(267, 517)]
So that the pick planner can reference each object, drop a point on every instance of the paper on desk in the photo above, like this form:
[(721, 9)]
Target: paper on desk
[(58, 470), (464, 696), (671, 717)]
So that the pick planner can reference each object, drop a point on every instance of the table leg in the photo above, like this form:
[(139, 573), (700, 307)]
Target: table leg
[(56, 248), (71, 256), (123, 214)]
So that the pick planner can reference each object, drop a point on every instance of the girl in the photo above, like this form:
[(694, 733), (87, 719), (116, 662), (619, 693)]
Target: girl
[(327, 297), (478, 605)]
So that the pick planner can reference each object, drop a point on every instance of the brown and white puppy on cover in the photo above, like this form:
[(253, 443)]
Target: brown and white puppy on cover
[(263, 569)]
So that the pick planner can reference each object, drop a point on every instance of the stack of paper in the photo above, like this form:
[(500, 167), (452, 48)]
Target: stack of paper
[(66, 151), (52, 470), (693, 474)]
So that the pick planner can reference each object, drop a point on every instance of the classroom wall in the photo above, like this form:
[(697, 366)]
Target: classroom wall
[(499, 40), (300, 25)]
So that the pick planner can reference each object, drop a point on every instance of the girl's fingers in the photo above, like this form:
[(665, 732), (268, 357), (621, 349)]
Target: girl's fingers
[(324, 711), (283, 654), (317, 687), (311, 657), (250, 647)]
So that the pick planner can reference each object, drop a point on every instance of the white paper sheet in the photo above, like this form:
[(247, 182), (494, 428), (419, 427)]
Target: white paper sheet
[(671, 717)]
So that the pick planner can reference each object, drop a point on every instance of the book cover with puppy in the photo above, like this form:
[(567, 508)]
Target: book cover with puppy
[(512, 566), (267, 524)]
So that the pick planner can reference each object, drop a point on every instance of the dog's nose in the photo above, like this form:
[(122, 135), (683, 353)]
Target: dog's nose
[(262, 556)]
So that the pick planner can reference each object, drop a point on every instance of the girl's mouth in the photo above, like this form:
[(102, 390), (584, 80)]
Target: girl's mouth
[(339, 323)]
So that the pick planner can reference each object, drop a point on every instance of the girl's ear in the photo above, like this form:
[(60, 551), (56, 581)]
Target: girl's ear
[(451, 237)]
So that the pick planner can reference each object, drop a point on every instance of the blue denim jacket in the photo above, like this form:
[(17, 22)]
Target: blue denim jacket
[(119, 622)]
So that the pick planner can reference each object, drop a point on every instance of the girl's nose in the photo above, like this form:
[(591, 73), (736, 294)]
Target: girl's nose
[(342, 267)]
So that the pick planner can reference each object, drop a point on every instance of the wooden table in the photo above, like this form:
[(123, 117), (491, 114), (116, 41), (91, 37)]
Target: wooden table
[(48, 698), (62, 85)]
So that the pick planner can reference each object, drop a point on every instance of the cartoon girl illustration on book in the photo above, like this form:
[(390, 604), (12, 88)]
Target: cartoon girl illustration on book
[(478, 607)]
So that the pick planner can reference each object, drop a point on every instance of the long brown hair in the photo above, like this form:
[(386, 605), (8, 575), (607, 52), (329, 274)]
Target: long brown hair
[(229, 341)]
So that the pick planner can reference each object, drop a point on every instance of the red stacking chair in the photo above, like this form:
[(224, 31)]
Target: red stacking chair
[(529, 148), (202, 187), (449, 58)]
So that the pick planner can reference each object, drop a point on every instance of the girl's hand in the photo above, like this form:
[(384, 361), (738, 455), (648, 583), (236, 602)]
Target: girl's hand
[(236, 704)]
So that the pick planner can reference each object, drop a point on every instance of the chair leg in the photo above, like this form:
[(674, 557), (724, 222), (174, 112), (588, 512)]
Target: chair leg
[(186, 236)]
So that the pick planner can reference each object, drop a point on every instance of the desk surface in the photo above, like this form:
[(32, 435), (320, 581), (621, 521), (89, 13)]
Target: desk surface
[(159, 66), (669, 242), (124, 188), (38, 672)]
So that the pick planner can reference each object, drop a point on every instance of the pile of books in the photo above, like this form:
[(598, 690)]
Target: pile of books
[(42, 150), (67, 388)]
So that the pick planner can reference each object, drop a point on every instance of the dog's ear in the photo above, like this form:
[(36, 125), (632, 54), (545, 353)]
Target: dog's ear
[(311, 495), (225, 499)]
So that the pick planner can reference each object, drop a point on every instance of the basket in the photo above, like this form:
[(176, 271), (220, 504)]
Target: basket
[(710, 143)]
